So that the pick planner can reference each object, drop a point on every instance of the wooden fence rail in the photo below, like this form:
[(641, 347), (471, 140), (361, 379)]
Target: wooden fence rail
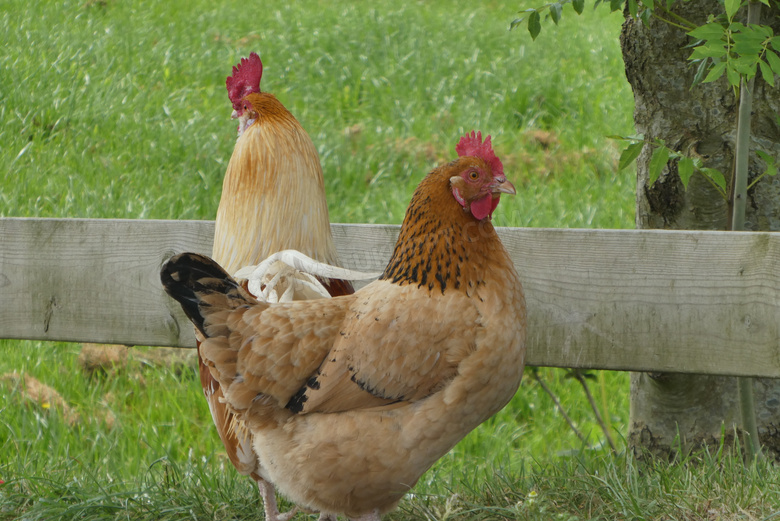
[(692, 302)]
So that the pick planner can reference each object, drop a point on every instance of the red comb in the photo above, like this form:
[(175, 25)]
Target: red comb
[(245, 79), (472, 145)]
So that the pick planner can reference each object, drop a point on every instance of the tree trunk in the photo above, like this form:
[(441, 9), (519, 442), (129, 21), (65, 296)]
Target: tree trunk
[(671, 412)]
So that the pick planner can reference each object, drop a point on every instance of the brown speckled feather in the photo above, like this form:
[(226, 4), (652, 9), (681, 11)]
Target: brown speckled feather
[(375, 361), (277, 349)]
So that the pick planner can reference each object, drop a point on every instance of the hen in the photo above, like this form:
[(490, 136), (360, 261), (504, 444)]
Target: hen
[(351, 399), (273, 198)]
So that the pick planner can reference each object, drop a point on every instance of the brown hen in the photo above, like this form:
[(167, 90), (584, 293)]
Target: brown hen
[(350, 400)]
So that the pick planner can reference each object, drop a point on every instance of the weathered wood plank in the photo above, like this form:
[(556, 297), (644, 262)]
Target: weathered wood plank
[(93, 280), (695, 302)]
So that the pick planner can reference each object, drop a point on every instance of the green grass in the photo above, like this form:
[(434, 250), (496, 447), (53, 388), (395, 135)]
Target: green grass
[(599, 487), (114, 109), (140, 443), (118, 109)]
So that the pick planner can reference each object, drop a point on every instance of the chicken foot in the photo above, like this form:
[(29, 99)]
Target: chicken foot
[(270, 507)]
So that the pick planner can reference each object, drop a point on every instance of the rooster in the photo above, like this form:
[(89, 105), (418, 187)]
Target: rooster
[(273, 194), (350, 399), (273, 199)]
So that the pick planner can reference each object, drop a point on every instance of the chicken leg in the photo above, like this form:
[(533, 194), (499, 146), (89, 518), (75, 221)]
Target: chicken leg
[(269, 503)]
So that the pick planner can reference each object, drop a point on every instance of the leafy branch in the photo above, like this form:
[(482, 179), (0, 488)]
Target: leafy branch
[(687, 164), (725, 46), (554, 10)]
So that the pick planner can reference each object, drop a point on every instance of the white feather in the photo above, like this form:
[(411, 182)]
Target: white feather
[(290, 275)]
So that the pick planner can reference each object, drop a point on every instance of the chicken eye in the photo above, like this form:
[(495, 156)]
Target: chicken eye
[(473, 175)]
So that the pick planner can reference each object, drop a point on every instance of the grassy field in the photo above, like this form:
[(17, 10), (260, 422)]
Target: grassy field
[(118, 109), (114, 109)]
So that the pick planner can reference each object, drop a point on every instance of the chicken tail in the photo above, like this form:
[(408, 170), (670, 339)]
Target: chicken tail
[(202, 287)]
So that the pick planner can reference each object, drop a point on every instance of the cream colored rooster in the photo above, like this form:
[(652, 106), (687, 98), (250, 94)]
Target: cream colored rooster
[(273, 199), (351, 399)]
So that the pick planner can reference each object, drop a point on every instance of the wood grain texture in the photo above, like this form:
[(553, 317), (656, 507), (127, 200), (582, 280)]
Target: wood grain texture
[(93, 280), (649, 300)]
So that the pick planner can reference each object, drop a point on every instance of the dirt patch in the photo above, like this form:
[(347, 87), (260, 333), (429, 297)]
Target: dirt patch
[(109, 359), (33, 391)]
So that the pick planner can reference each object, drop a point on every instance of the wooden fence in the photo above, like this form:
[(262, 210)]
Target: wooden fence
[(691, 302)]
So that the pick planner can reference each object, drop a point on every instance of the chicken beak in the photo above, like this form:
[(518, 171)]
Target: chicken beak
[(234, 115), (501, 185)]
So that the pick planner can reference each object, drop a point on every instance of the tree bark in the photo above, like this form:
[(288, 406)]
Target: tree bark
[(673, 412)]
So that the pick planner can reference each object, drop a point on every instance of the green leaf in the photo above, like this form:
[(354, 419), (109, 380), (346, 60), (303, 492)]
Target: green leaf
[(700, 70), (732, 75), (673, 154), (685, 170), (773, 60), (748, 44), (555, 12), (771, 167), (732, 6), (614, 5), (764, 31), (515, 23), (630, 154), (711, 31), (633, 8), (617, 137), (746, 68), (579, 5), (645, 16), (716, 176), (766, 73), (716, 72), (534, 24), (775, 43), (711, 49), (657, 163)]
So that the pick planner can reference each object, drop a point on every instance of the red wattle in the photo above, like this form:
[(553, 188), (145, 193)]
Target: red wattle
[(496, 199), (484, 207)]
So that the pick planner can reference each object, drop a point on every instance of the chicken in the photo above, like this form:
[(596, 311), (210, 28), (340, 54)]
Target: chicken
[(273, 199), (273, 194), (351, 399)]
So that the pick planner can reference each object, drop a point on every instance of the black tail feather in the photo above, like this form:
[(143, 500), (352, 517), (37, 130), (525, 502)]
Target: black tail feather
[(187, 276)]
